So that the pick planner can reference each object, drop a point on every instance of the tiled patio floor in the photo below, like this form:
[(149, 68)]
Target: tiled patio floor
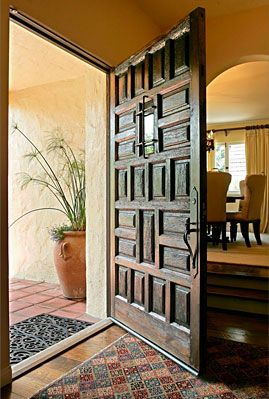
[(30, 298)]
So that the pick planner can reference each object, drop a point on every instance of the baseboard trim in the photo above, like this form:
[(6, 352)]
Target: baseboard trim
[(35, 360), (6, 376)]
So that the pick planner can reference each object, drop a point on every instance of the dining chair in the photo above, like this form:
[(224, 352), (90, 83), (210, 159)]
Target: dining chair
[(217, 187), (249, 209), (242, 187)]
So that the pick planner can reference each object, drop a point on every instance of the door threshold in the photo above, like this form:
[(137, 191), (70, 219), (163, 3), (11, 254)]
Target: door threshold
[(158, 348), (46, 354)]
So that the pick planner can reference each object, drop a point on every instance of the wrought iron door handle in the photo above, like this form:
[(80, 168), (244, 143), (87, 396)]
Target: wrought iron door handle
[(188, 230)]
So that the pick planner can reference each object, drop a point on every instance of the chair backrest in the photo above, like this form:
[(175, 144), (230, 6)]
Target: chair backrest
[(242, 185), (217, 187), (253, 197)]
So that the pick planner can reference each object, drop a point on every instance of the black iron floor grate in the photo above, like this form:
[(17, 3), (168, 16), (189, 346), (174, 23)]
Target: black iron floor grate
[(35, 334)]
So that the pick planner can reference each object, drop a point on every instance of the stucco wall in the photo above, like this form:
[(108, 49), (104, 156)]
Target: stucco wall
[(39, 112), (97, 195), (77, 109)]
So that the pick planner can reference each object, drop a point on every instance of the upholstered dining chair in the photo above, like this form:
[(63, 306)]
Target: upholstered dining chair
[(242, 185), (249, 209), (217, 187)]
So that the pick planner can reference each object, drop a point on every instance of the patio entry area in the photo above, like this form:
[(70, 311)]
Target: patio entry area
[(28, 298)]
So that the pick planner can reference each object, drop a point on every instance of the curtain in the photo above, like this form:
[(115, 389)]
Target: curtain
[(257, 159)]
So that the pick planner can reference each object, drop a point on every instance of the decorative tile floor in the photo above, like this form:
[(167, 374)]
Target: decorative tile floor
[(29, 298)]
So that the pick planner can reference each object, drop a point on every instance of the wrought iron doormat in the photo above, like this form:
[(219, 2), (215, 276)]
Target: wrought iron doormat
[(35, 334)]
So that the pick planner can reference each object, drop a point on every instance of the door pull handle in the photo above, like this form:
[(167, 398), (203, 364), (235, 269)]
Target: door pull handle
[(188, 230)]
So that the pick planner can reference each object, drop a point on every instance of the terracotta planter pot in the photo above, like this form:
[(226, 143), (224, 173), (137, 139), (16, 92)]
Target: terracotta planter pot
[(70, 263)]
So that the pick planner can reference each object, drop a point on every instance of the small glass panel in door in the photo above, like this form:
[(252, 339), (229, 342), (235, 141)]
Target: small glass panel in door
[(149, 128)]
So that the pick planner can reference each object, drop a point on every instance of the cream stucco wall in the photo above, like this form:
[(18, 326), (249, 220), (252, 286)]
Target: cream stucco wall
[(40, 112), (97, 150), (77, 109)]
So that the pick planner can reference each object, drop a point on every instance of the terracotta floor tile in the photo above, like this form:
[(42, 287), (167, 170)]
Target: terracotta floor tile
[(13, 280), (15, 318), (33, 310), (34, 289), (76, 307), (63, 313), (36, 298), (13, 287), (30, 298), (49, 285), (31, 282), (54, 292), (87, 317), (24, 283), (18, 305), (57, 303), (13, 295), (19, 286)]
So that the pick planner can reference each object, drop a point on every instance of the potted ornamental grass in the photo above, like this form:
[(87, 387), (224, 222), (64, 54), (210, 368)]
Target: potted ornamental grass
[(67, 186)]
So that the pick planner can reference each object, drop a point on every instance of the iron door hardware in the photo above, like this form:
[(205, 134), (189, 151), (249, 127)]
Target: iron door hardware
[(189, 230)]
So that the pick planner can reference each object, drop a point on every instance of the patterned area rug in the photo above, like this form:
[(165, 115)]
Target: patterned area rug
[(129, 369), (35, 334)]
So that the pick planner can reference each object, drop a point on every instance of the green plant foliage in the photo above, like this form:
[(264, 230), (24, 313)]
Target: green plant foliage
[(66, 186), (57, 232)]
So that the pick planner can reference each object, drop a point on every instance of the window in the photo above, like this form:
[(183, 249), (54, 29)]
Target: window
[(231, 157)]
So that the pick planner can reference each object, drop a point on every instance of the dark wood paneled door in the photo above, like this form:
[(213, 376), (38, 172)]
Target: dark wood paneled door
[(158, 267)]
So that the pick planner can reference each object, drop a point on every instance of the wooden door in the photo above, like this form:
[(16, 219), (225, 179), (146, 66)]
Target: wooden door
[(158, 268)]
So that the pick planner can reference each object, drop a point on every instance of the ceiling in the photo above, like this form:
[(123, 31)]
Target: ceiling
[(35, 62), (239, 94), (168, 14), (114, 30)]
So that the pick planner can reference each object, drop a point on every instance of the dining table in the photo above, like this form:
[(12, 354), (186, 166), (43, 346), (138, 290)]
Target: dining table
[(232, 197)]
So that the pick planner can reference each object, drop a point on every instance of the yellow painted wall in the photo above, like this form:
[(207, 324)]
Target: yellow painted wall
[(236, 38)]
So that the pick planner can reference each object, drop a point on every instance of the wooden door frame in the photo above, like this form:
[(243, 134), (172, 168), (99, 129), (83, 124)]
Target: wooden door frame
[(50, 35)]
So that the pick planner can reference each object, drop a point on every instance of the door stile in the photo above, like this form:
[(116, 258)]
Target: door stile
[(157, 233), (108, 201), (198, 180), (113, 184)]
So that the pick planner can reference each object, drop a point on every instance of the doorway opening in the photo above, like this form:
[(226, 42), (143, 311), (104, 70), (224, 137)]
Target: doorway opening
[(57, 103), (237, 122)]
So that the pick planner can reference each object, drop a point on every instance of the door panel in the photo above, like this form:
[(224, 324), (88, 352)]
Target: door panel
[(158, 267)]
